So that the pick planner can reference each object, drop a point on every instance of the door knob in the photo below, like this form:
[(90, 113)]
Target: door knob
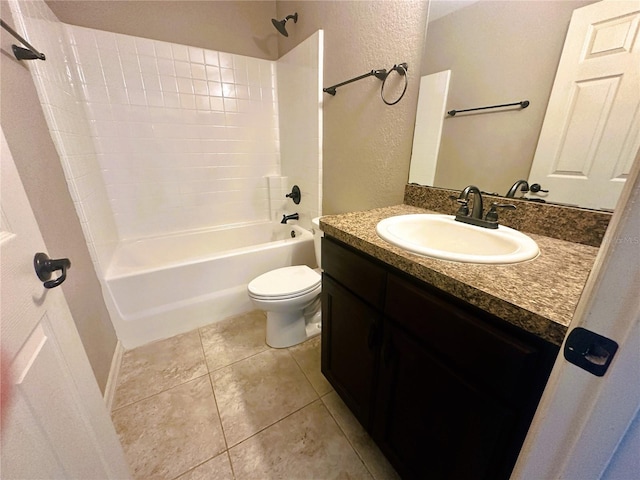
[(45, 266)]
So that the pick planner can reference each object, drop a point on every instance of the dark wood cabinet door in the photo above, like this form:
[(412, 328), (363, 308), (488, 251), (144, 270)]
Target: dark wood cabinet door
[(431, 423), (349, 347)]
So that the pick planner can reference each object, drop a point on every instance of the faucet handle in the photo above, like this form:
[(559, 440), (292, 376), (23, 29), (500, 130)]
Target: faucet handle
[(464, 206), (463, 209), (492, 214)]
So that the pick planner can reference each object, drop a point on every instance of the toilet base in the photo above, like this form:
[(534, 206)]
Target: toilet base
[(289, 329), (314, 328), (285, 329)]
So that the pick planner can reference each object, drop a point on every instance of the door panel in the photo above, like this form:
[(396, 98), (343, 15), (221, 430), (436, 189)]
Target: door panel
[(348, 353), (591, 132), (54, 421), (433, 423)]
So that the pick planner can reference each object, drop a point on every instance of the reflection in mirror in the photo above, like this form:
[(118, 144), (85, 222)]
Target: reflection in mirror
[(485, 53)]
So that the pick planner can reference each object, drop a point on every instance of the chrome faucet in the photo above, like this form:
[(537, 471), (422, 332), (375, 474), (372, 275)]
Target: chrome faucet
[(286, 218), (524, 187)]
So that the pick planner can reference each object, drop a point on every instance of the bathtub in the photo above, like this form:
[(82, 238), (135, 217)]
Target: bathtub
[(163, 286)]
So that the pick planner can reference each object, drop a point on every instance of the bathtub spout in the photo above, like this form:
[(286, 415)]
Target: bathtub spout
[(293, 216)]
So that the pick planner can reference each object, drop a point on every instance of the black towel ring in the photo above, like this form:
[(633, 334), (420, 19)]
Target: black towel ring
[(402, 70)]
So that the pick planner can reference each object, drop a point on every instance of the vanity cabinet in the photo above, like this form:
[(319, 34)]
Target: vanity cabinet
[(446, 390), (350, 326)]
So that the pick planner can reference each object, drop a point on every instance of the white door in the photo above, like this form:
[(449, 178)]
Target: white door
[(587, 427), (55, 424), (591, 131)]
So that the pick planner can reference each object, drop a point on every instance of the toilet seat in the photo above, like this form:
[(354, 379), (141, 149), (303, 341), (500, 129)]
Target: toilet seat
[(284, 283)]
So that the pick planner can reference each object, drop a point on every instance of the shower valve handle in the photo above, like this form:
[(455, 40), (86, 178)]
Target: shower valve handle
[(295, 194)]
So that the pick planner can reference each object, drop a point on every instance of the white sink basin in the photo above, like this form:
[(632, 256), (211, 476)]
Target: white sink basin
[(440, 236)]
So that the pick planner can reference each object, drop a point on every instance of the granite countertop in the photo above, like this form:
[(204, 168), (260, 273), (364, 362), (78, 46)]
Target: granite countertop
[(539, 295)]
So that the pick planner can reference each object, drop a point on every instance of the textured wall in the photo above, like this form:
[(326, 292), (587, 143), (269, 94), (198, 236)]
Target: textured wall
[(39, 166), (367, 144), (241, 27)]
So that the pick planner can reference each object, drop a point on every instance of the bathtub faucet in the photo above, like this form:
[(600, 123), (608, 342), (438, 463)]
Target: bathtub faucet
[(293, 216)]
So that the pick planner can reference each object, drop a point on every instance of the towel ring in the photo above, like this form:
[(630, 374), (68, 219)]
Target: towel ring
[(402, 70)]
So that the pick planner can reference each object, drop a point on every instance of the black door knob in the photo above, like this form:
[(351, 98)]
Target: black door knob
[(45, 266)]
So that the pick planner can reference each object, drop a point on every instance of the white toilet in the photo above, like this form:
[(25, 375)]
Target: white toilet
[(291, 298)]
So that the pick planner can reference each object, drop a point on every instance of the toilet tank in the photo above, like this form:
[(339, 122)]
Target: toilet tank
[(317, 235)]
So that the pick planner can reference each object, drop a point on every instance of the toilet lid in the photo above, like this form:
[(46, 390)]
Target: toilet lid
[(285, 281)]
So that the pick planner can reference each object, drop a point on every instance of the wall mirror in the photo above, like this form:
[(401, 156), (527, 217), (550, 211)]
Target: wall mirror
[(491, 52)]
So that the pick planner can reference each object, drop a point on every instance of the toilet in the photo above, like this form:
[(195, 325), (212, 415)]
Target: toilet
[(291, 298)]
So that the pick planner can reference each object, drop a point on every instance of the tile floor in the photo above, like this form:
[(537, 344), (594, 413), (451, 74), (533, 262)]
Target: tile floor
[(218, 403)]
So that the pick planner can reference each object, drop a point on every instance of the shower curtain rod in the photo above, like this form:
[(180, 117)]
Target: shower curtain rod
[(28, 53)]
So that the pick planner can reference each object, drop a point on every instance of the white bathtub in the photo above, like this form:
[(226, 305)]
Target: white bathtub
[(163, 286)]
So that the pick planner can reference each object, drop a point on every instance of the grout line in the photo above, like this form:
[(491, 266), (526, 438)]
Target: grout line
[(345, 433), (276, 422), (238, 361), (215, 400), (303, 372), (158, 392), (213, 392), (233, 472), (195, 466)]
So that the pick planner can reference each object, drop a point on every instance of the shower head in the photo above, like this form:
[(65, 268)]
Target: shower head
[(279, 24)]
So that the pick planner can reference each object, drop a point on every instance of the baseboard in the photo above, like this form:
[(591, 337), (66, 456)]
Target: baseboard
[(112, 381)]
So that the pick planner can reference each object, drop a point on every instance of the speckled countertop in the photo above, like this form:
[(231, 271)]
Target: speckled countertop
[(539, 295)]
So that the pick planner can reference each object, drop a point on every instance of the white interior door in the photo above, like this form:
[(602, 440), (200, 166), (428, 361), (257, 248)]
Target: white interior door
[(54, 421), (591, 131)]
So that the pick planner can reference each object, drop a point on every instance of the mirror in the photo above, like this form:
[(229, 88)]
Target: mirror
[(485, 53)]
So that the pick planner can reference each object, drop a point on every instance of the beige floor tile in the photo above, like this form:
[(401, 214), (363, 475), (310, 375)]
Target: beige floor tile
[(259, 391), (371, 455), (234, 339), (158, 366), (307, 355), (218, 468), (305, 445), (171, 432)]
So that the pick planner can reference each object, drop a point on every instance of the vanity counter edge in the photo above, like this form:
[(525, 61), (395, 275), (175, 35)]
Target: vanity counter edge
[(539, 295)]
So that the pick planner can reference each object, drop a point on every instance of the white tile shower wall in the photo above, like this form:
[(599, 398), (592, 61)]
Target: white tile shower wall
[(279, 204), (300, 103), (171, 137), (55, 81), (185, 136)]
